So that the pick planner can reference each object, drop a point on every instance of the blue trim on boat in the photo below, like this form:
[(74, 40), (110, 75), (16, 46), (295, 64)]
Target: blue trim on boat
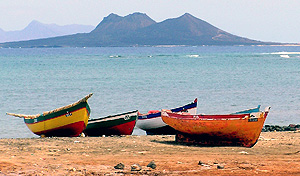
[(186, 107), (248, 111), (179, 109)]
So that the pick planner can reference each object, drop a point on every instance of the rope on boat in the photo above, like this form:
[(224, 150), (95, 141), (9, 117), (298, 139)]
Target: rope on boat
[(84, 99)]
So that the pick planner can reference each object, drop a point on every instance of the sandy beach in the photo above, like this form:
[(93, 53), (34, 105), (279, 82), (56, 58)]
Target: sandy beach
[(276, 153)]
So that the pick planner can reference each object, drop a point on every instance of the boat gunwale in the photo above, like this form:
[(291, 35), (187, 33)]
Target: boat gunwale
[(209, 117), (213, 116), (56, 114), (83, 100), (177, 109)]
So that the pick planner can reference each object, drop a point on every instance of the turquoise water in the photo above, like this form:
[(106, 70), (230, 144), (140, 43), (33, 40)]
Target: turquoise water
[(224, 79)]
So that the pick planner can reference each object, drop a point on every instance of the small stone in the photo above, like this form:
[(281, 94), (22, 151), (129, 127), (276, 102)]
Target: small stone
[(220, 166), (119, 166), (136, 167), (152, 165)]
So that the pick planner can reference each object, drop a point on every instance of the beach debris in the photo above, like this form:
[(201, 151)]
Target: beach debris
[(201, 163), (82, 135), (142, 152), (220, 166), (152, 165), (119, 166), (244, 153), (73, 169), (136, 167)]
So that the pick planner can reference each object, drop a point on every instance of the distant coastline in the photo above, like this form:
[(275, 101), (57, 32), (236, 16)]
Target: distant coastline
[(38, 30), (158, 46)]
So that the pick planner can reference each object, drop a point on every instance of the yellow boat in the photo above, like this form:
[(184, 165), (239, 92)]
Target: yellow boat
[(67, 121)]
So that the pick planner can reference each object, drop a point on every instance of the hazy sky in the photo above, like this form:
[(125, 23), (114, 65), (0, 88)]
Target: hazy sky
[(265, 20)]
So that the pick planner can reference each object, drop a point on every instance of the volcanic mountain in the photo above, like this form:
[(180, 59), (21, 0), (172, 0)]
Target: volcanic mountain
[(138, 29)]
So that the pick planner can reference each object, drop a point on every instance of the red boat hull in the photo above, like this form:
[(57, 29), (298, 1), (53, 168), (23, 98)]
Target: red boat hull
[(70, 130), (123, 129)]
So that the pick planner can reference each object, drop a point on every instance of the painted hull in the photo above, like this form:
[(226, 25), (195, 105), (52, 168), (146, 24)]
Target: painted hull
[(217, 130), (120, 124), (68, 121), (154, 125)]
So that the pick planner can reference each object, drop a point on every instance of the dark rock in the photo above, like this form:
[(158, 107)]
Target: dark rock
[(292, 126), (152, 165), (119, 166), (270, 128), (136, 167)]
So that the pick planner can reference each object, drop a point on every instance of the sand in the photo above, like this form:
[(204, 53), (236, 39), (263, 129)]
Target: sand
[(276, 153)]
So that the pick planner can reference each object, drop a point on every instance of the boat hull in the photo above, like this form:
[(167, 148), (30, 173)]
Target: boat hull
[(154, 125), (217, 130), (65, 123), (121, 124)]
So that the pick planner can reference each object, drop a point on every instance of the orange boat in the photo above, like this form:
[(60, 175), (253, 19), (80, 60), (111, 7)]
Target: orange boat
[(217, 130)]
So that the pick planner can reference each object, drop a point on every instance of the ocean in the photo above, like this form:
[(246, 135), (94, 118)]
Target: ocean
[(225, 79)]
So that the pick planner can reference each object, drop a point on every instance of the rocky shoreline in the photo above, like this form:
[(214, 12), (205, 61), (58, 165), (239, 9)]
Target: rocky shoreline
[(271, 128)]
